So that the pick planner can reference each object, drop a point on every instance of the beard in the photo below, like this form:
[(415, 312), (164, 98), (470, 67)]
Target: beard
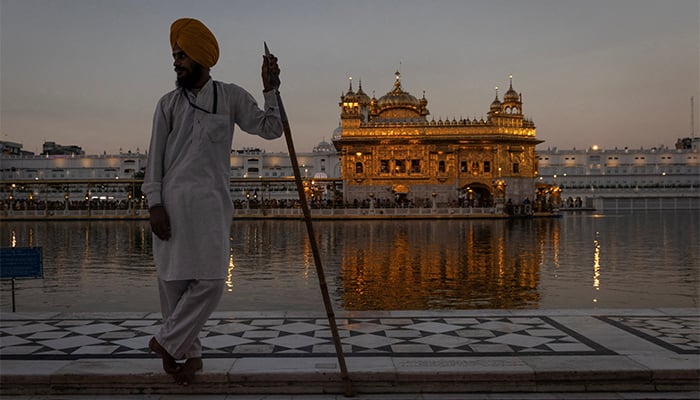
[(189, 80)]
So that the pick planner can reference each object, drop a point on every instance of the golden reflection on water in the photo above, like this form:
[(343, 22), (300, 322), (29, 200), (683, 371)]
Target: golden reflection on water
[(308, 259), (596, 265), (556, 244), (464, 265), (229, 276)]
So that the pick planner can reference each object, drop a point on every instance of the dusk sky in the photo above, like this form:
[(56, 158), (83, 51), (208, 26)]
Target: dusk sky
[(594, 72)]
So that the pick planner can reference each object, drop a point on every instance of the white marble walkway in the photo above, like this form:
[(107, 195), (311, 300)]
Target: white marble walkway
[(529, 350)]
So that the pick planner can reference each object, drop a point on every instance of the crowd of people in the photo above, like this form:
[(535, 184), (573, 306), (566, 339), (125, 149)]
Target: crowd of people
[(526, 206), (94, 204)]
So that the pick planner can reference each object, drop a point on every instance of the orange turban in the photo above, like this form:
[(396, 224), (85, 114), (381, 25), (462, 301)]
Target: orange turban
[(196, 40)]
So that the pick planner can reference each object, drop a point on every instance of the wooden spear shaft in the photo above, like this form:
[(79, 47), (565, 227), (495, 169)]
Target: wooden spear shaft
[(274, 80)]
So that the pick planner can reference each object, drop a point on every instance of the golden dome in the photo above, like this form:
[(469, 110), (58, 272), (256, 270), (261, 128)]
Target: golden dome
[(496, 103), (398, 98), (362, 97), (511, 95)]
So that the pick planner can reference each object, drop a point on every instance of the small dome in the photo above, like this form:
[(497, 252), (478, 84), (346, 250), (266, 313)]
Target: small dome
[(511, 95), (361, 96), (496, 104), (350, 96), (324, 147)]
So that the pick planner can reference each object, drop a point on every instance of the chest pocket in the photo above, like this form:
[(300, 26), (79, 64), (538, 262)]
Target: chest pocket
[(218, 128)]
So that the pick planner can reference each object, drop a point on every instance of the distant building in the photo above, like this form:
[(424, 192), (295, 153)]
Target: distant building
[(392, 153), (53, 176), (71, 167), (52, 149), (13, 149), (655, 167), (661, 177), (688, 143), (256, 163), (623, 179)]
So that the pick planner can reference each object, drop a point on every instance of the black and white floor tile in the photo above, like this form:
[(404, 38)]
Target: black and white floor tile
[(389, 336), (410, 336), (679, 334)]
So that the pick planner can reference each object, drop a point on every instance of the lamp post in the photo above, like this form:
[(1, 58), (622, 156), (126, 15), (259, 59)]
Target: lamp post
[(88, 201), (11, 199), (434, 199), (663, 180)]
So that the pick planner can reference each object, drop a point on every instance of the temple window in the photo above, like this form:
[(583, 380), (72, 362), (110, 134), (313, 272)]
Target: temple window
[(441, 166), (400, 167), (516, 168), (415, 166), (384, 166), (359, 168)]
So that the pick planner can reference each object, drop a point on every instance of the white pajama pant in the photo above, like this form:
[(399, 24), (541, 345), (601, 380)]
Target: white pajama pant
[(186, 306)]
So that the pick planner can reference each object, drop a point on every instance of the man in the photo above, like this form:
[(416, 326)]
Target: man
[(187, 186)]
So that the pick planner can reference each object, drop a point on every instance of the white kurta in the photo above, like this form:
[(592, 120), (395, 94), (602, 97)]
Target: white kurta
[(188, 171)]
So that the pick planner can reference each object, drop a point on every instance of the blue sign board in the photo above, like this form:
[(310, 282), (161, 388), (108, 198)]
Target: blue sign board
[(20, 262)]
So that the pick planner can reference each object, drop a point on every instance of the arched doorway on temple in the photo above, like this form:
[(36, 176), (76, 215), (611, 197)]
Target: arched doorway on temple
[(475, 195), (400, 193)]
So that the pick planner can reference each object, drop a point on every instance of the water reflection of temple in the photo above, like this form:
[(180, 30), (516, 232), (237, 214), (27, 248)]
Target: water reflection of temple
[(467, 265), (391, 152)]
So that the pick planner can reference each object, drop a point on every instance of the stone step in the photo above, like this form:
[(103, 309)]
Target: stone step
[(320, 375)]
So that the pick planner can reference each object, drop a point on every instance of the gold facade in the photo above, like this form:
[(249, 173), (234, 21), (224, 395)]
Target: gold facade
[(390, 150)]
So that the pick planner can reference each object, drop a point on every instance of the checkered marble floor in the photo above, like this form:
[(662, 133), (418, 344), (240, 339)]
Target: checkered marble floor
[(110, 335), (679, 334), (406, 336)]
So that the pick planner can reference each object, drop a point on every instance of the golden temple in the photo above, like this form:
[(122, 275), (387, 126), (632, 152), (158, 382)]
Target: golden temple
[(391, 153)]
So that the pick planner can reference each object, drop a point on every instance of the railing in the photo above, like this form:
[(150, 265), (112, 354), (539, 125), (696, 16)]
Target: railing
[(369, 213), (668, 191), (634, 199), (104, 213), (261, 213)]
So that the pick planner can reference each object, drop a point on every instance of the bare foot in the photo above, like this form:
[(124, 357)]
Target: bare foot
[(186, 374), (170, 366)]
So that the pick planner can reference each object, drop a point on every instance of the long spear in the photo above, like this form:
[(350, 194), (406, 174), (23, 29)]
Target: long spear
[(275, 82)]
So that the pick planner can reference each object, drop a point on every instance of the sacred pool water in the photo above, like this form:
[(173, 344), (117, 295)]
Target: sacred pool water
[(584, 260)]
